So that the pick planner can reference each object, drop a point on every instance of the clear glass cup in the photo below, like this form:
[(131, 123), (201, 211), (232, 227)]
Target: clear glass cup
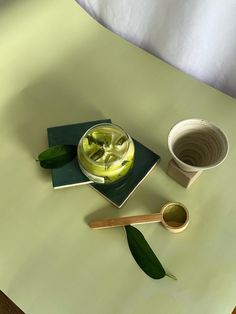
[(106, 153)]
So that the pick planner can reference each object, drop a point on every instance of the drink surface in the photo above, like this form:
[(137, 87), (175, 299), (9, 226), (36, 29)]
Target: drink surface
[(106, 153)]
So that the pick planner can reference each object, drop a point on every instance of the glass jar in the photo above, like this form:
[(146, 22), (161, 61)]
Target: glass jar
[(106, 153)]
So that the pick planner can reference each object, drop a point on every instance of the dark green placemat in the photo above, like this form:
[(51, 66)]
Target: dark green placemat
[(144, 161), (70, 174)]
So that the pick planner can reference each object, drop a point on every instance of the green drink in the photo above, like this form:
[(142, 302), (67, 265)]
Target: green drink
[(106, 153)]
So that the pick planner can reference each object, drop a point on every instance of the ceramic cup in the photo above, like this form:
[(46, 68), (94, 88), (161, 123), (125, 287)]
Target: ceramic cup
[(197, 144)]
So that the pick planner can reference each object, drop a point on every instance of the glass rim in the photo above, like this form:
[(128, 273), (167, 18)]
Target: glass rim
[(98, 125)]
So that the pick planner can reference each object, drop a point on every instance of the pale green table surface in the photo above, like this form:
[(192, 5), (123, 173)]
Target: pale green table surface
[(58, 66)]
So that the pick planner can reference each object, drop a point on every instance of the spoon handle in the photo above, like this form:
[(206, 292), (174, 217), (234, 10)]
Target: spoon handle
[(123, 221)]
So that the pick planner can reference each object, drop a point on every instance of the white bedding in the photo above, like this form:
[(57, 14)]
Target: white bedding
[(198, 37)]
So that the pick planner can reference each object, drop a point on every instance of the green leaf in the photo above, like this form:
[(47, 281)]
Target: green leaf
[(144, 255), (57, 156)]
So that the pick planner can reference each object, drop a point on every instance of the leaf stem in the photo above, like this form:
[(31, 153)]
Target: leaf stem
[(171, 276)]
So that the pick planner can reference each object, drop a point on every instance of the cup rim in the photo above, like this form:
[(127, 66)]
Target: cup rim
[(210, 124)]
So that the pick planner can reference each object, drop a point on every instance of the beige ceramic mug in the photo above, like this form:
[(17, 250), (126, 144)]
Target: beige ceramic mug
[(196, 144)]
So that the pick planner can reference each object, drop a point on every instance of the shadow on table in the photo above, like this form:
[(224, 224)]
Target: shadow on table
[(41, 105), (5, 4)]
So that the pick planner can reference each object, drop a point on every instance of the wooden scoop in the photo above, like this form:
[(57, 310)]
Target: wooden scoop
[(173, 216)]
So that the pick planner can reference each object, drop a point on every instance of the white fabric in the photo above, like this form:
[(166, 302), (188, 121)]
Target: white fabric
[(196, 36)]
